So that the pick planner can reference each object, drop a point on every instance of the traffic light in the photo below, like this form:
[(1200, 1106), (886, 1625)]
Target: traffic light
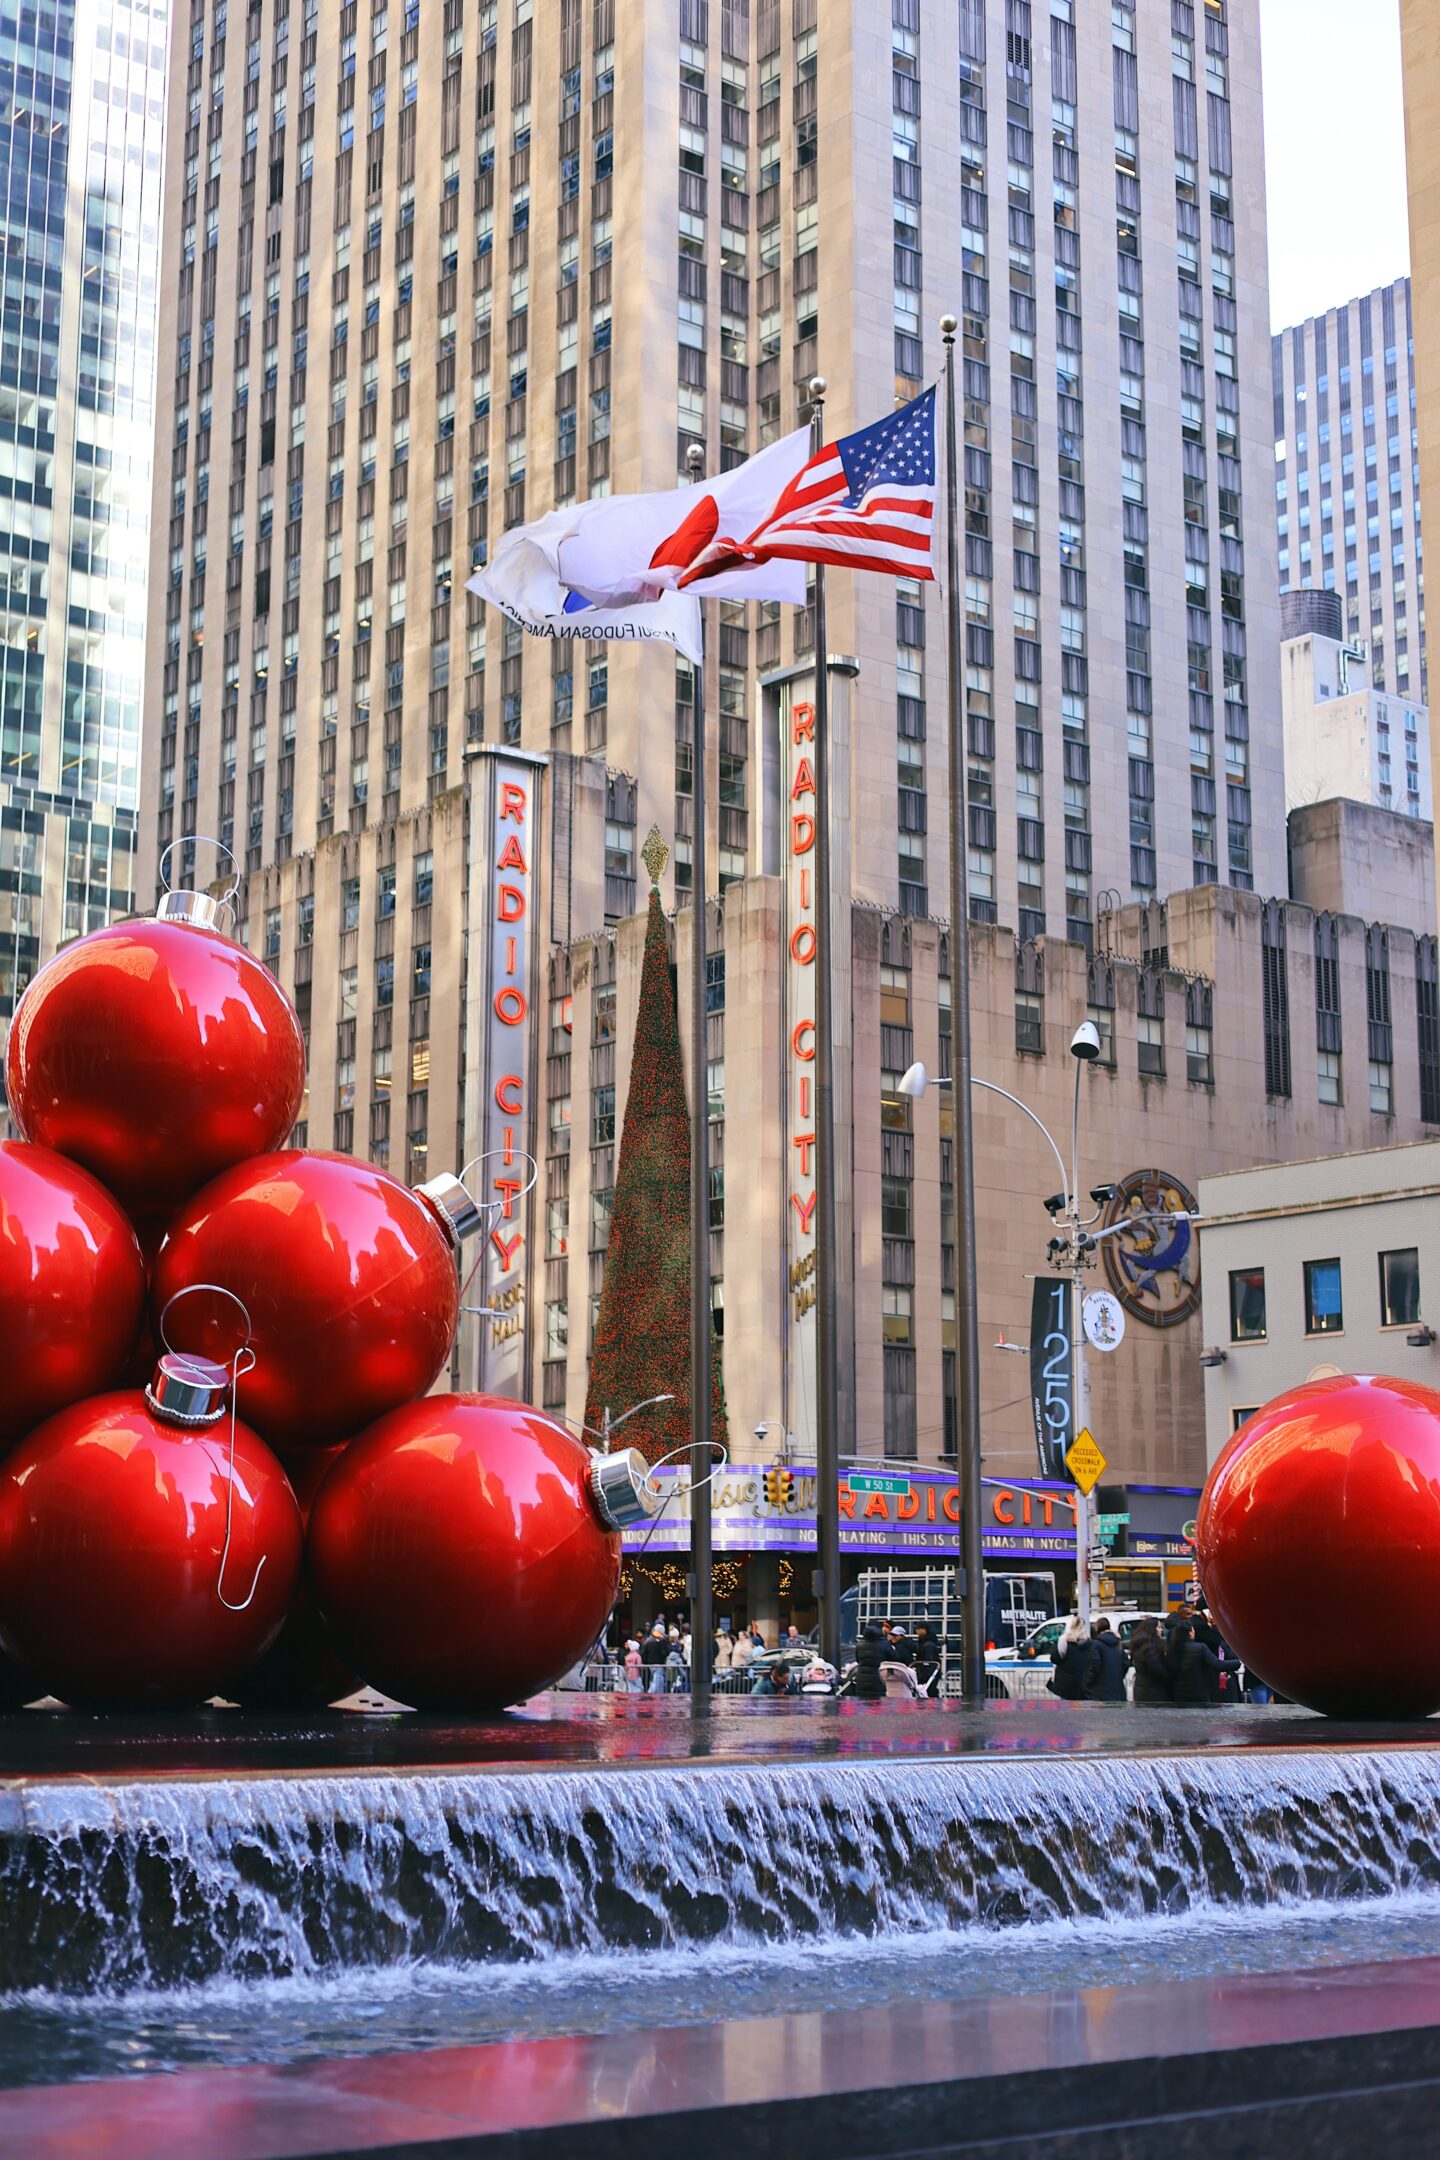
[(780, 1487)]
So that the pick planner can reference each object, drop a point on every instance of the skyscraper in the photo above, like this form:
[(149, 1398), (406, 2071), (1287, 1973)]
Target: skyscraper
[(443, 268), (82, 102), (1347, 476)]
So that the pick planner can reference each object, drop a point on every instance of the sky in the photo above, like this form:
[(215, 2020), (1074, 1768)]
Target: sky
[(1334, 152)]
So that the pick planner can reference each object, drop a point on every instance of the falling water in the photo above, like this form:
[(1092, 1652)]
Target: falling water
[(144, 1886)]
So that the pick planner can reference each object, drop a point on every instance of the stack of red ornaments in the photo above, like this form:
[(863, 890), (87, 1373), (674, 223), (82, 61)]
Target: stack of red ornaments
[(213, 1341)]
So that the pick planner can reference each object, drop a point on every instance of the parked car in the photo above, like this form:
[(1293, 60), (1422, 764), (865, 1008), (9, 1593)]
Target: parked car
[(1023, 1673)]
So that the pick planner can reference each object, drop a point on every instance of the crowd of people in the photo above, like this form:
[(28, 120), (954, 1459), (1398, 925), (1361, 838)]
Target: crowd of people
[(1181, 1660)]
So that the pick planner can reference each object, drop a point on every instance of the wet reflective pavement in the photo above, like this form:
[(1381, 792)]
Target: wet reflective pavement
[(562, 1730)]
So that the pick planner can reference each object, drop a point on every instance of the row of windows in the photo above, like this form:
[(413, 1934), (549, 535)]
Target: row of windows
[(1323, 1303)]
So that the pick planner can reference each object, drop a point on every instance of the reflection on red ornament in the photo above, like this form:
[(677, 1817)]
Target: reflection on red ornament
[(113, 1527), (72, 1287), (1329, 1498), (349, 1280), (157, 1054), (459, 1553), (302, 1669)]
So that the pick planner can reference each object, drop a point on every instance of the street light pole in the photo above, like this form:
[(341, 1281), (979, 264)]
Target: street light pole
[(702, 1629), (967, 1317)]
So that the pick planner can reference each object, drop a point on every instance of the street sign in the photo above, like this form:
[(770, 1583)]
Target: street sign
[(872, 1481), (1085, 1462), (1109, 1526), (1103, 1319)]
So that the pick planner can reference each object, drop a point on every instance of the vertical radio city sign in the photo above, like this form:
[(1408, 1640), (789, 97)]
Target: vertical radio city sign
[(504, 809), (803, 934)]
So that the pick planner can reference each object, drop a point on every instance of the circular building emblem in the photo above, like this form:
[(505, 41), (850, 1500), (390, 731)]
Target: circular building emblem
[(1154, 1264)]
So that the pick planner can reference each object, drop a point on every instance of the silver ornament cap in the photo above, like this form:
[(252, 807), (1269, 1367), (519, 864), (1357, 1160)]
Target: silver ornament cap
[(188, 1390), (448, 1199), (622, 1488)]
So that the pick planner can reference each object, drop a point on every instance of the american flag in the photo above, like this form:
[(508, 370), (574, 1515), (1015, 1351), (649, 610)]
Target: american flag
[(866, 502)]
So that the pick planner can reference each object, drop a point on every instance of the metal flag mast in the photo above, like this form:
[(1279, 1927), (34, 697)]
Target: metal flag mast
[(827, 1405), (967, 1319), (701, 1584)]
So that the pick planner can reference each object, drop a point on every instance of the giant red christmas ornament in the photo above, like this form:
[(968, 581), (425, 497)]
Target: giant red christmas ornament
[(156, 1053), (347, 1275), (465, 1553), (302, 1669), (1331, 1493), (72, 1286), (136, 1572)]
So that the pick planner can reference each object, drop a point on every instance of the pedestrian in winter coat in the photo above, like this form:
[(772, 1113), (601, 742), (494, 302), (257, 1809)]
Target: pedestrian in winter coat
[(871, 1650), (1152, 1673), (1073, 1655), (927, 1655), (653, 1653), (1105, 1681), (1194, 1668), (724, 1651), (633, 1668), (743, 1652)]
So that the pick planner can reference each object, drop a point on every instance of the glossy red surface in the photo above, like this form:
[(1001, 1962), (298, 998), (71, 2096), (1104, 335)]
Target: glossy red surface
[(349, 1280), (112, 1527), (302, 1669), (1318, 1539), (72, 1286), (457, 1555), (156, 1054)]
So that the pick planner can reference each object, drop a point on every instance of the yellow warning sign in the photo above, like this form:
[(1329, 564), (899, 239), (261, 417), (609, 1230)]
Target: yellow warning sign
[(1085, 1462)]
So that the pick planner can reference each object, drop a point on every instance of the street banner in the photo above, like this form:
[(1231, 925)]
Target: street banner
[(1052, 1372)]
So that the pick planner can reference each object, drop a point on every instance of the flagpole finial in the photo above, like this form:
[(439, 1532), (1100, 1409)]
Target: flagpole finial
[(818, 387), (949, 324)]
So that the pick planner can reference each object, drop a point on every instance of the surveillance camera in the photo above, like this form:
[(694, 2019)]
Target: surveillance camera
[(1055, 1205), (760, 1431), (1056, 1249), (1102, 1195), (1085, 1042)]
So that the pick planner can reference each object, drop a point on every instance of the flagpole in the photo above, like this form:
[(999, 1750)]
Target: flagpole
[(967, 1318), (827, 1421), (702, 1624)]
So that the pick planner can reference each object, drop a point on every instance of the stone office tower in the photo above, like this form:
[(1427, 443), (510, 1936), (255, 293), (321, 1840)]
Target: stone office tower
[(82, 105), (440, 265), (1347, 477)]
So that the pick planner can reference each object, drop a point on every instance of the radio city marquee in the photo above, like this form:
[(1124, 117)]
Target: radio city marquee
[(803, 934), (1022, 1520), (502, 876)]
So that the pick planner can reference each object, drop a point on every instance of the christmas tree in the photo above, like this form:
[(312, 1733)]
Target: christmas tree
[(642, 1337)]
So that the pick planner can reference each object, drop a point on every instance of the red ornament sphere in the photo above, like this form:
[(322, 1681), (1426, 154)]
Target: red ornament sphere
[(72, 1286), (302, 1669), (458, 1555), (157, 1054), (349, 1280), (1332, 1491), (112, 1528)]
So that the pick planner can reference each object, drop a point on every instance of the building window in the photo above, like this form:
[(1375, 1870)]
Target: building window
[(1150, 1042), (1427, 1013), (1247, 1305), (1029, 1023), (1382, 1093), (895, 1207), (557, 1329), (1323, 1311), (1276, 996), (602, 1129), (1239, 1417), (897, 1321), (894, 1107), (1400, 1288), (717, 1197)]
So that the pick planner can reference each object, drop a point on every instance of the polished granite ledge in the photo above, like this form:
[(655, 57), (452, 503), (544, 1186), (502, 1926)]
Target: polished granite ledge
[(1323, 2064), (638, 1732)]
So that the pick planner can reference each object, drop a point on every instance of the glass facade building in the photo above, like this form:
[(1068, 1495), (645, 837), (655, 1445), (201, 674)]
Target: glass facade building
[(82, 102)]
